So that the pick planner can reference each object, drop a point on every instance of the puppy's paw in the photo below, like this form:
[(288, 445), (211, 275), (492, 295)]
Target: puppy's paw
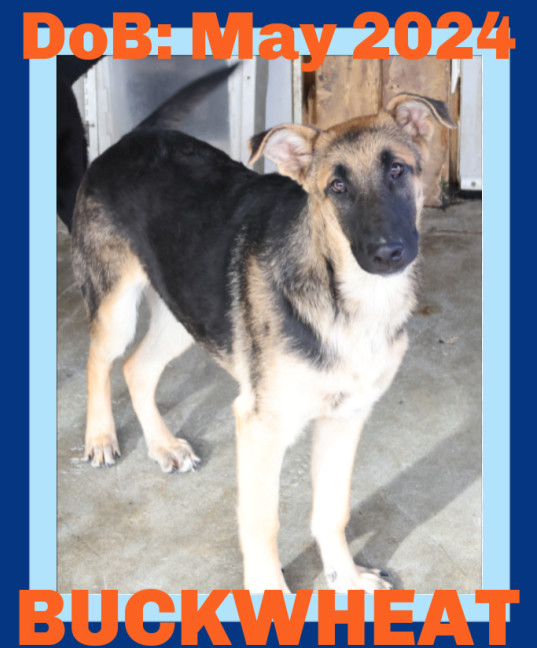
[(102, 450), (359, 578), (175, 456), (258, 582)]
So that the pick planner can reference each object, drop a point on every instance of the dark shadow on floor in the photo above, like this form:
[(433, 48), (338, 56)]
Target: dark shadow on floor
[(391, 517)]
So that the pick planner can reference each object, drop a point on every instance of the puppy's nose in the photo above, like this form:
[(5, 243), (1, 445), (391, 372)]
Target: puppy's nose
[(388, 255)]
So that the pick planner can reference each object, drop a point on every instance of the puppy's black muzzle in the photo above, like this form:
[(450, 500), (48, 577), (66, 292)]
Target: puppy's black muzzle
[(382, 232), (388, 257), (391, 257)]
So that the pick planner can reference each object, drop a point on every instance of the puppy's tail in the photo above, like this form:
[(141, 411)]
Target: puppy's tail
[(172, 112)]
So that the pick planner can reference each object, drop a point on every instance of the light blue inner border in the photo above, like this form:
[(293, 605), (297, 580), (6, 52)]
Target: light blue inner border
[(42, 325), (495, 325)]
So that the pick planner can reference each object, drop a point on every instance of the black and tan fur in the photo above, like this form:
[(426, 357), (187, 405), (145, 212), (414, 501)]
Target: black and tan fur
[(298, 283)]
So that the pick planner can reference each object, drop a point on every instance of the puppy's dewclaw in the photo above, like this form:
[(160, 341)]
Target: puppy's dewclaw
[(357, 578)]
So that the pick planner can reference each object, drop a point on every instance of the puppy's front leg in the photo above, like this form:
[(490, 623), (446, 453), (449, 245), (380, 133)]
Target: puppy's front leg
[(261, 446), (334, 447)]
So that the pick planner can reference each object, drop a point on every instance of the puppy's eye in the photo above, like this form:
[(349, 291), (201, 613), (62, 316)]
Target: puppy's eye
[(396, 169), (338, 186)]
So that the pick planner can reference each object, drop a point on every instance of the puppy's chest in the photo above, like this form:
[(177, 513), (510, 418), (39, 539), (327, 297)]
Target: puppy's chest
[(366, 362)]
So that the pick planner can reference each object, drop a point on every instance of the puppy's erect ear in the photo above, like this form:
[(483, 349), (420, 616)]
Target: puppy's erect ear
[(416, 115), (289, 146)]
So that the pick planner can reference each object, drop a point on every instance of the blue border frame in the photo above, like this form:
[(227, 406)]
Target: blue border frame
[(496, 277)]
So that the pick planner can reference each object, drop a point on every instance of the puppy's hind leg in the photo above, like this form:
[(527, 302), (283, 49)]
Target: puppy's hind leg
[(164, 341), (112, 328)]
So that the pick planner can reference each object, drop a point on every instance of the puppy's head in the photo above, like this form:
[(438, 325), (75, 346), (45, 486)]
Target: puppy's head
[(366, 172)]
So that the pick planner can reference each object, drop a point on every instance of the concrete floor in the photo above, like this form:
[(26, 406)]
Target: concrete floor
[(416, 497)]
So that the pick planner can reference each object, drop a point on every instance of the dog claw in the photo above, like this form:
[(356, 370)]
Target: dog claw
[(178, 456), (102, 453)]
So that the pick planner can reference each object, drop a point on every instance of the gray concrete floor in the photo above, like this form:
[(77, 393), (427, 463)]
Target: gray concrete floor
[(416, 496)]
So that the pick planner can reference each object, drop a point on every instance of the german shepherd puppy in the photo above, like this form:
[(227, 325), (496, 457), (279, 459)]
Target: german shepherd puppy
[(298, 283)]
